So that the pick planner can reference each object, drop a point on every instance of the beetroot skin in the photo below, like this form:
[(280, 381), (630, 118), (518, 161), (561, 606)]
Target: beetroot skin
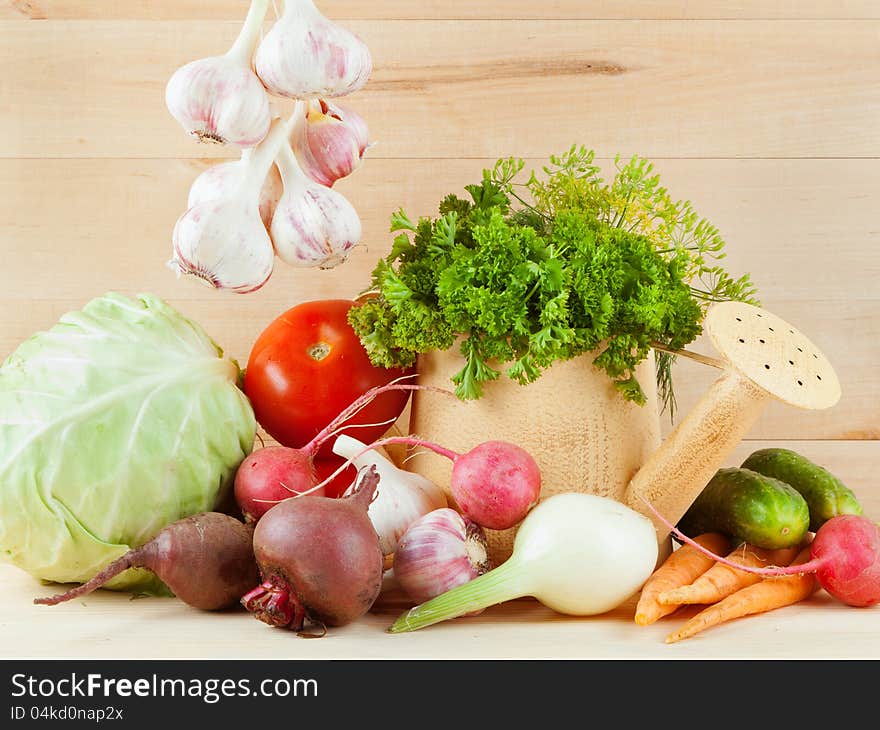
[(319, 558), (207, 561)]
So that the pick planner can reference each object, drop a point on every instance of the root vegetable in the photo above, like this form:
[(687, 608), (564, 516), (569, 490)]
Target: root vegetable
[(319, 559), (438, 552), (268, 476), (765, 595), (495, 484), (578, 554), (272, 474), (844, 555), (680, 568), (721, 580), (207, 561)]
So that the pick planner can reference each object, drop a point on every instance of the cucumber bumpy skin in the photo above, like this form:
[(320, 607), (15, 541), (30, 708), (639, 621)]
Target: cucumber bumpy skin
[(826, 495), (749, 507)]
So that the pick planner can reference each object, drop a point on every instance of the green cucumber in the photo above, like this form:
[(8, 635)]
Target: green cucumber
[(826, 495), (749, 507)]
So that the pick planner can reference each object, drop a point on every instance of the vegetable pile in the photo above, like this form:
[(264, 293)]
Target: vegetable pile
[(525, 274), (126, 435), (786, 545)]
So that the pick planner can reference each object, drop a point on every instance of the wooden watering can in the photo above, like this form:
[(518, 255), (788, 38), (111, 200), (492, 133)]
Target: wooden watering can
[(587, 438)]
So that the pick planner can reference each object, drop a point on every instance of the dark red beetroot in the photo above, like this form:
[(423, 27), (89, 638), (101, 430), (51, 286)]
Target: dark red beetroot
[(319, 558), (207, 560)]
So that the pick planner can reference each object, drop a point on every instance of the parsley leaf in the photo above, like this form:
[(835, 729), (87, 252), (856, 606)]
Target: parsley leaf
[(524, 274)]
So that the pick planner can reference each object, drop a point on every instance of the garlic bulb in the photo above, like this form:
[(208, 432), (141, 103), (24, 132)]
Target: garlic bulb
[(401, 497), (220, 99), (330, 142), (223, 241), (219, 180), (438, 552), (307, 55), (313, 225)]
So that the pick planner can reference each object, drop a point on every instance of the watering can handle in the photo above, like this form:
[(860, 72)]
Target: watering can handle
[(764, 359)]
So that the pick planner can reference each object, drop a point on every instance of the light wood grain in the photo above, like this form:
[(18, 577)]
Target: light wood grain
[(480, 88), (109, 625), (804, 229), (449, 9)]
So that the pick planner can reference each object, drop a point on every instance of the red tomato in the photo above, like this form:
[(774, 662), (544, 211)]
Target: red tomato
[(307, 366), (324, 467)]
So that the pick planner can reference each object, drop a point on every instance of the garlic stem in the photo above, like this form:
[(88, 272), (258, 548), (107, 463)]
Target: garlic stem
[(242, 49), (504, 583), (261, 160), (292, 175)]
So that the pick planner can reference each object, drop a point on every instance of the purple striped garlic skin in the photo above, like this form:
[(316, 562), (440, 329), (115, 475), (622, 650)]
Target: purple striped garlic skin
[(305, 55), (313, 226), (218, 100), (438, 552), (330, 142)]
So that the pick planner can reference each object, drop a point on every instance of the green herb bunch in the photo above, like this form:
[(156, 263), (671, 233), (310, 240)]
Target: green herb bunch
[(528, 273)]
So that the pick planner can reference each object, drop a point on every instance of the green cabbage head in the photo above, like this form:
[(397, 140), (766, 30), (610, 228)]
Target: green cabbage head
[(119, 420)]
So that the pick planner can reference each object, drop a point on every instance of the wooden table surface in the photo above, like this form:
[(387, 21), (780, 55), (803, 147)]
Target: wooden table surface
[(765, 114)]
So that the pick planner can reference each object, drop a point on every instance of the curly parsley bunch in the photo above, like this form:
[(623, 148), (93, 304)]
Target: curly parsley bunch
[(578, 267)]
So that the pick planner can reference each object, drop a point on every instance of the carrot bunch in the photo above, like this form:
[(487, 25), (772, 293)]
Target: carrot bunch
[(688, 577)]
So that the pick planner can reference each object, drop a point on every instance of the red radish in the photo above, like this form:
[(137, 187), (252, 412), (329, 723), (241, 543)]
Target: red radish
[(274, 473), (319, 558), (207, 560), (269, 475), (844, 555), (494, 484)]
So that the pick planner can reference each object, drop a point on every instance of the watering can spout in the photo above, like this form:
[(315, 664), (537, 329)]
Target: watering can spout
[(762, 358)]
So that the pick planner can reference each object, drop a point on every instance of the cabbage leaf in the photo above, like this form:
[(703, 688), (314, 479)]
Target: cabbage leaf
[(120, 419)]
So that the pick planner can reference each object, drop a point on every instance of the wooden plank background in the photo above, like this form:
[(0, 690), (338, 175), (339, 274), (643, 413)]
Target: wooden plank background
[(765, 114)]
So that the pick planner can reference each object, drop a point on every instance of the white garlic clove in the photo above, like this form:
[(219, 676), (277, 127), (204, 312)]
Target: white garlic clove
[(401, 498), (220, 180), (223, 241), (306, 55), (224, 244), (220, 99), (438, 552), (313, 225), (330, 142)]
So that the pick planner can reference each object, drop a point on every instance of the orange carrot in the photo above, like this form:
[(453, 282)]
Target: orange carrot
[(765, 595), (721, 580), (681, 567)]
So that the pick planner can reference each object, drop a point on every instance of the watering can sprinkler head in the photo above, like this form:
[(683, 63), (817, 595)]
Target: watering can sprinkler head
[(762, 358)]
